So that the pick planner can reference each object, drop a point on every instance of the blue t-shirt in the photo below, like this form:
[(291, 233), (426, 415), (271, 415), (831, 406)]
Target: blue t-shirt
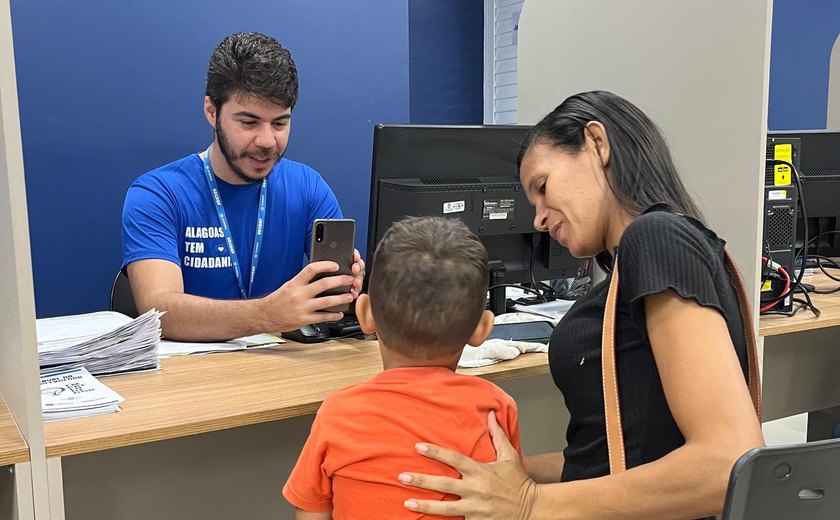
[(169, 214)]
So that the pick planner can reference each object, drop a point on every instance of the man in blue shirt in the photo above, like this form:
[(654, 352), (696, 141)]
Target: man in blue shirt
[(217, 239)]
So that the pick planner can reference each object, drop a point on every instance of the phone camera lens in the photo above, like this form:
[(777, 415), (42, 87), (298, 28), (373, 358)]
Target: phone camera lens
[(319, 233)]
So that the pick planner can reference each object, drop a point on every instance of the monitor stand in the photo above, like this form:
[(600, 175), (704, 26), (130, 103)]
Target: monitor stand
[(498, 295)]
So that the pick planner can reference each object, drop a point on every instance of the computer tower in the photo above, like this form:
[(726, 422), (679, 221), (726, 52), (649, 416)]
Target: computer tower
[(818, 156), (780, 219)]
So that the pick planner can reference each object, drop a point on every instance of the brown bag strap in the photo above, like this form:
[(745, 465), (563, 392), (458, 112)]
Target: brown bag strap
[(753, 370), (612, 405)]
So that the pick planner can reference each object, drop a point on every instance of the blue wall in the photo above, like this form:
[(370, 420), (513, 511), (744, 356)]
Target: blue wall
[(110, 89), (803, 35), (446, 54)]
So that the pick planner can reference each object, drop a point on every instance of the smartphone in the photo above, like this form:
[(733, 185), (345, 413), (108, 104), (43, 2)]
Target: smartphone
[(334, 240)]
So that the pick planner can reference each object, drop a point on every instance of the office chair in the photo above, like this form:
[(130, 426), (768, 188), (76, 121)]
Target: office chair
[(122, 299), (800, 481)]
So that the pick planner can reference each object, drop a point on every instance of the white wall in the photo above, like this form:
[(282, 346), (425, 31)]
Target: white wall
[(833, 115), (699, 69)]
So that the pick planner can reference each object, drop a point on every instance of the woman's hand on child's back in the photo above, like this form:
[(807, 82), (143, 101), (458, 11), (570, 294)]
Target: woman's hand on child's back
[(495, 490)]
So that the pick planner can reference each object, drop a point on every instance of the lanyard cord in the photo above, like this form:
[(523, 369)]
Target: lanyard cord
[(258, 233)]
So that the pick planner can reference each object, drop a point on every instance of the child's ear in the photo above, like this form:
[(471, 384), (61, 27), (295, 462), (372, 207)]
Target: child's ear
[(482, 330), (364, 314)]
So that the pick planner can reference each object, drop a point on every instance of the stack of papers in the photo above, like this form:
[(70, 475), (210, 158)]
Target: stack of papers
[(102, 342), (76, 393), (180, 348)]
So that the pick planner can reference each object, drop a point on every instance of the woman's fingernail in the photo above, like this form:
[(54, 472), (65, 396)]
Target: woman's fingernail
[(421, 447), (411, 504), (405, 477)]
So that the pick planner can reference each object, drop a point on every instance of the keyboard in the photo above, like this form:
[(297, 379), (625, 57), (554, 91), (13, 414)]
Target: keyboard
[(346, 326)]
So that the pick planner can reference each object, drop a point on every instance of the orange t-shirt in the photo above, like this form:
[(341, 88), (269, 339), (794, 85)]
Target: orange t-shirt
[(364, 436)]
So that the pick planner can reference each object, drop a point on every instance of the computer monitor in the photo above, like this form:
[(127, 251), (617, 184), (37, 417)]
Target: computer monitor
[(819, 169), (465, 172)]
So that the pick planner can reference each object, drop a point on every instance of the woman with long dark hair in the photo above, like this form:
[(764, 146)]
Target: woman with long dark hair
[(604, 185)]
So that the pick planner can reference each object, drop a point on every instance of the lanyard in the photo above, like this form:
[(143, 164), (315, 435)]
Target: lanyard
[(258, 234)]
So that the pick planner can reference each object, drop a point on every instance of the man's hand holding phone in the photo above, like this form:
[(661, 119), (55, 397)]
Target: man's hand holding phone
[(323, 289), (301, 301)]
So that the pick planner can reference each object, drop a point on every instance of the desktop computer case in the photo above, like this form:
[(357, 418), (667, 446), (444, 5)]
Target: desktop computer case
[(780, 218)]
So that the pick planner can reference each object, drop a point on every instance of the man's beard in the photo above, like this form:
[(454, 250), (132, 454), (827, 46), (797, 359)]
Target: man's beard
[(231, 157)]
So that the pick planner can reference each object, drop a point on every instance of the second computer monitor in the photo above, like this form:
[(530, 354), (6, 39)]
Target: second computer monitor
[(470, 173)]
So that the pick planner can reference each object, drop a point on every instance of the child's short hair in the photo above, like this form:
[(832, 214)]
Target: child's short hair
[(428, 285)]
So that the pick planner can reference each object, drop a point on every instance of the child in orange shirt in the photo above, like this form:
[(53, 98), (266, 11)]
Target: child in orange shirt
[(425, 301)]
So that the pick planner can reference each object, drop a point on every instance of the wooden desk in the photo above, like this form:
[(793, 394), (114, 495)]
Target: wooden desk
[(13, 448), (802, 356), (200, 394), (828, 304), (230, 427)]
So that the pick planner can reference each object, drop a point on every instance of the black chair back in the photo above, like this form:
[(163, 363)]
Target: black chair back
[(800, 481), (122, 299)]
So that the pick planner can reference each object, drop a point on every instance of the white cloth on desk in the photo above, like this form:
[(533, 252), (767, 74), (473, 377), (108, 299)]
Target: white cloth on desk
[(495, 350)]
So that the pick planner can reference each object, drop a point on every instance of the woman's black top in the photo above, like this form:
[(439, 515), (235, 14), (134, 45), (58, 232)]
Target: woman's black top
[(658, 251)]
